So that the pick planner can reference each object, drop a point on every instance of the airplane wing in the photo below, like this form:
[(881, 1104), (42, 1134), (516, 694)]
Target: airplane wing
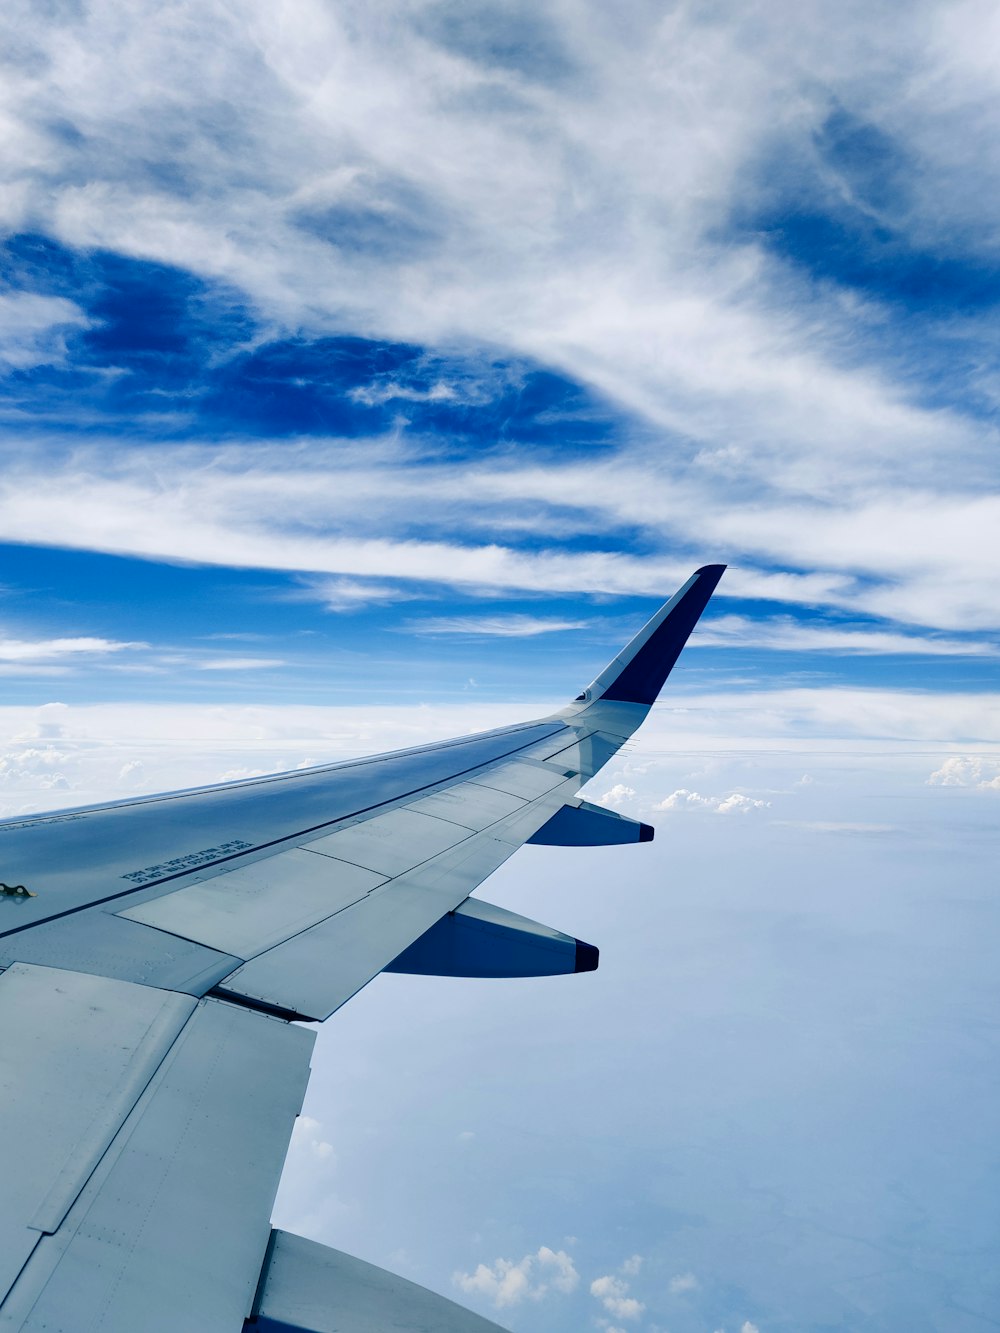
[(158, 954)]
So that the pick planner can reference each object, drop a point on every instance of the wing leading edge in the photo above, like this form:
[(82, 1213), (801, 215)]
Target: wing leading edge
[(244, 905)]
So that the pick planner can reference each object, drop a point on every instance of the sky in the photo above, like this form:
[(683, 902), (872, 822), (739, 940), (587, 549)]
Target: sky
[(369, 375)]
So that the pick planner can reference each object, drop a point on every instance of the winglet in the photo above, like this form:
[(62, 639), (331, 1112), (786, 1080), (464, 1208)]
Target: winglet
[(639, 671)]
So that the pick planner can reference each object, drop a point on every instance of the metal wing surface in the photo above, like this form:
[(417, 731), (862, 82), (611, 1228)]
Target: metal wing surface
[(156, 954)]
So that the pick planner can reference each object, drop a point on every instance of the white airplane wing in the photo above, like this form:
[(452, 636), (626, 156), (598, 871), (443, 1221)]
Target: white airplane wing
[(156, 953)]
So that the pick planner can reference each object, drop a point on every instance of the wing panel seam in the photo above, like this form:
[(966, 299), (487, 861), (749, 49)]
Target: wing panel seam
[(274, 842)]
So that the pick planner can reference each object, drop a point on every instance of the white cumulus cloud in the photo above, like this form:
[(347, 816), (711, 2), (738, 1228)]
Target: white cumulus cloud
[(308, 1140), (967, 771), (613, 1293), (738, 801), (683, 799), (506, 1282), (619, 794)]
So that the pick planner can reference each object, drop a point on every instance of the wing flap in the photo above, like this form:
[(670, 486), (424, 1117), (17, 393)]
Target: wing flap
[(77, 1053), (171, 1229), (105, 945), (315, 972)]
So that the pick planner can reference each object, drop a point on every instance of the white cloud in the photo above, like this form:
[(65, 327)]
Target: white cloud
[(967, 771), (738, 801), (33, 328), (632, 1265), (339, 509), (35, 769), (352, 594), (787, 635), (747, 1327), (612, 1292), (390, 391), (683, 1282), (796, 717), (42, 650), (239, 663), (618, 795), (502, 626), (242, 772), (837, 826), (505, 1282), (683, 799), (307, 1140), (182, 745), (354, 198)]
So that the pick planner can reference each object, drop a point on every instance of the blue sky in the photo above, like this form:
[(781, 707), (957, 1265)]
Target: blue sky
[(356, 358)]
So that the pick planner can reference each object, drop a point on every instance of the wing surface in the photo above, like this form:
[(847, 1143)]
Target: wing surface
[(149, 987), (309, 1288)]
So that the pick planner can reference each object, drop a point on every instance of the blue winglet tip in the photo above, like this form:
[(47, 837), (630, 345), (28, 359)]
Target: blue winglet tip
[(587, 956), (645, 672)]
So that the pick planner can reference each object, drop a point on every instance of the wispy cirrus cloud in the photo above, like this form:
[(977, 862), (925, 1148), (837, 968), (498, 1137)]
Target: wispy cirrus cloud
[(347, 595), (306, 509), (767, 246), (500, 626), (33, 328), (785, 634), (240, 663), (26, 651)]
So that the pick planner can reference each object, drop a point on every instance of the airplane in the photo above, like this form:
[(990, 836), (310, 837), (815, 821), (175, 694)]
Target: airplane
[(159, 956)]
